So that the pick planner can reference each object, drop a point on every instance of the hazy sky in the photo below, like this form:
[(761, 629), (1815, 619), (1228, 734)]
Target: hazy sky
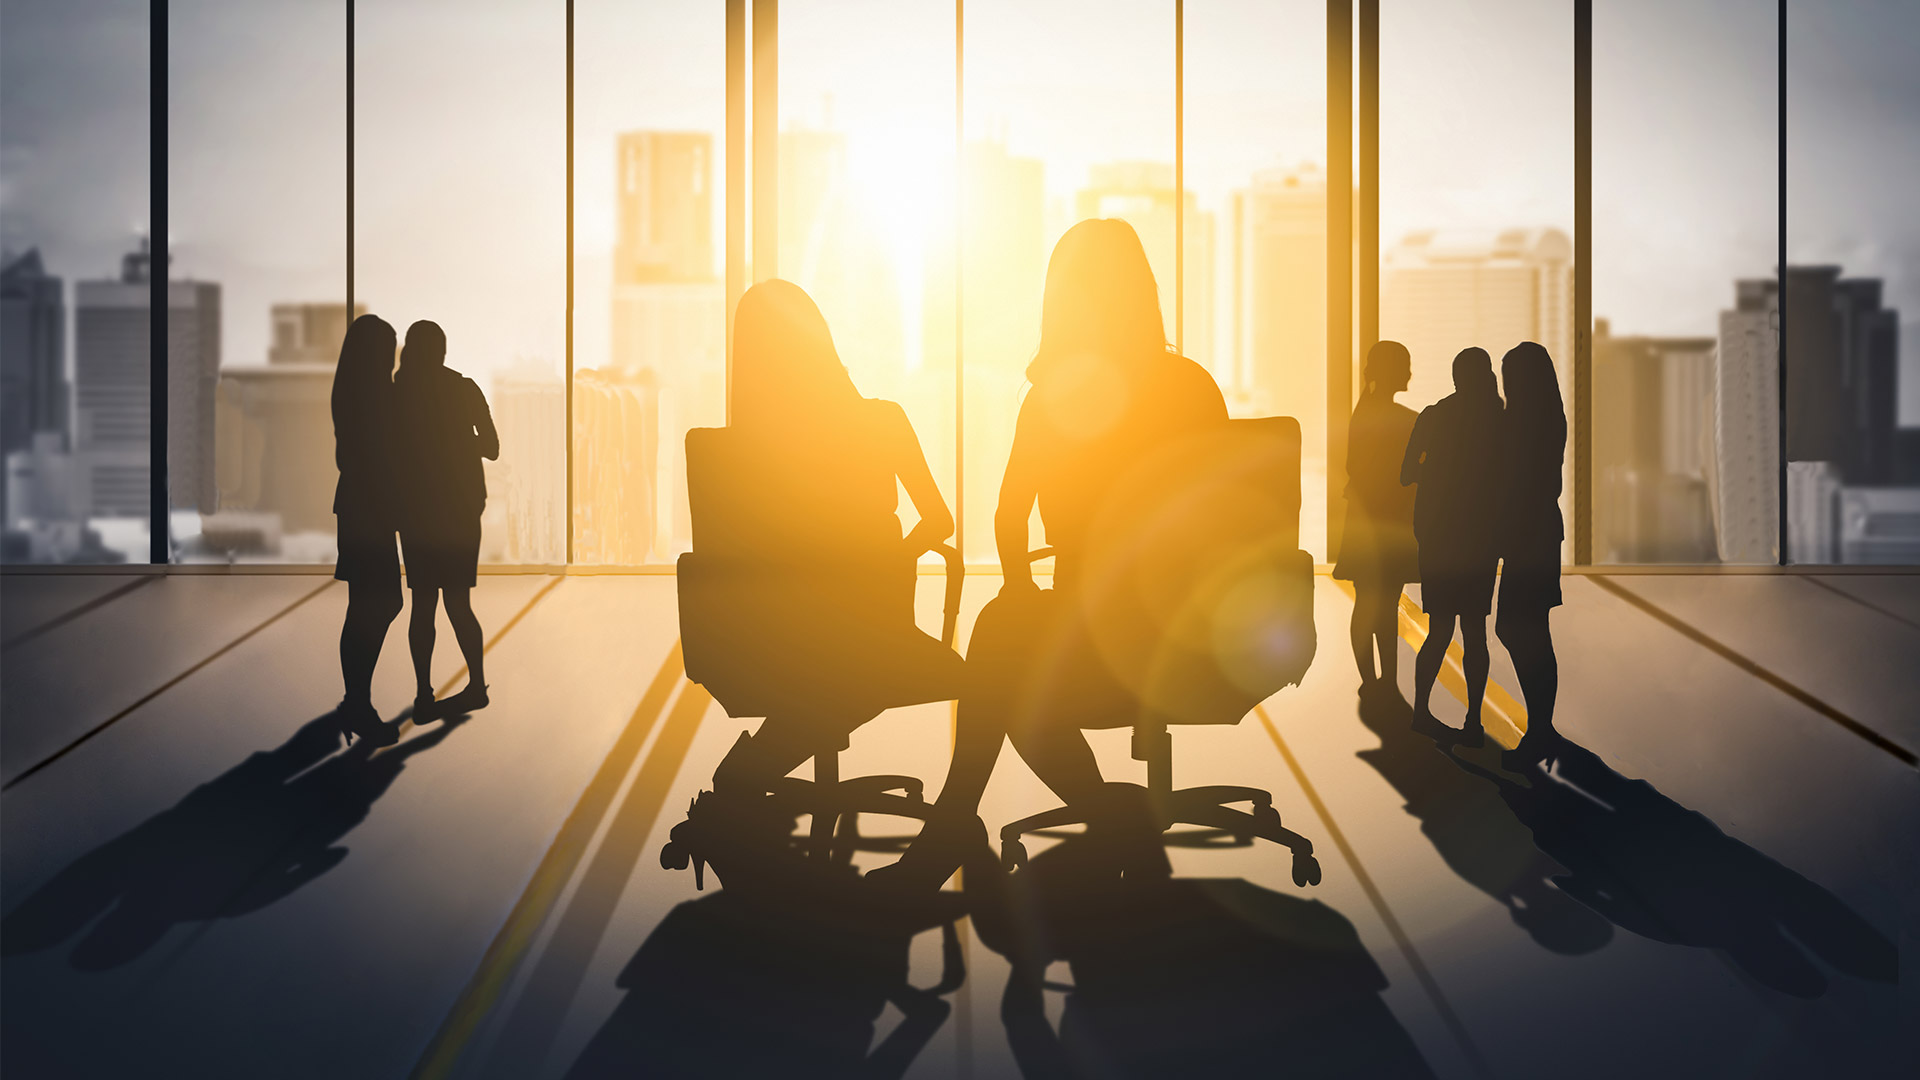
[(460, 144)]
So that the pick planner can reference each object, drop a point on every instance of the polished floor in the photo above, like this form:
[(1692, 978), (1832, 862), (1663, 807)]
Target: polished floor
[(197, 881)]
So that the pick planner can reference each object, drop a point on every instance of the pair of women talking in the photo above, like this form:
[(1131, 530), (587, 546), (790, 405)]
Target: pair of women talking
[(408, 446), (1106, 389)]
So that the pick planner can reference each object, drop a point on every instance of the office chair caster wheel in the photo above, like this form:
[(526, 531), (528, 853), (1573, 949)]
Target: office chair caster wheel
[(1013, 855), (674, 857), (1306, 870)]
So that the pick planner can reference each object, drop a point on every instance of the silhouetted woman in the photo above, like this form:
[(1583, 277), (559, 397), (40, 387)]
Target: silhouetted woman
[(1377, 549), (363, 501), (1533, 445), (443, 430), (826, 468), (1107, 389)]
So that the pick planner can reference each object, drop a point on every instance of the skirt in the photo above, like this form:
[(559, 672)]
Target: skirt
[(1457, 582), (1374, 552), (1530, 580), (368, 555), (445, 555)]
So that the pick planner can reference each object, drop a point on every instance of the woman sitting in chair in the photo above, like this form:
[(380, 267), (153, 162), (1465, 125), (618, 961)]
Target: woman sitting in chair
[(1107, 389), (815, 468)]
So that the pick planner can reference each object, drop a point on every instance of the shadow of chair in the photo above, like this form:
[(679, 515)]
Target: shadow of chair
[(1195, 605), (1185, 977), (788, 982), (778, 620)]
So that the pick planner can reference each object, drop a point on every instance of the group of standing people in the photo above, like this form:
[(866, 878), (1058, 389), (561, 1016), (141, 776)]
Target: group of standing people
[(1460, 497), (408, 446)]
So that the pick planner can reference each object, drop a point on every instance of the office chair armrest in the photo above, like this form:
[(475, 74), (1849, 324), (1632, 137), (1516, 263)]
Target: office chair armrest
[(956, 576)]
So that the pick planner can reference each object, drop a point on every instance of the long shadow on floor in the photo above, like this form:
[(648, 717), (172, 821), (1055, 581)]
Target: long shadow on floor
[(1187, 977), (1668, 873), (1476, 832), (239, 842), (778, 981)]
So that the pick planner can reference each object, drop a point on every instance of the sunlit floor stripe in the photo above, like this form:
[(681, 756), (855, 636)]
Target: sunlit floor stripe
[(1700, 637), (1503, 717), (556, 869), (94, 604), (163, 688), (1447, 1016)]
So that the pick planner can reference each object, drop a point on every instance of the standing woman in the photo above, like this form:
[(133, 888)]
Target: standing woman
[(1533, 445), (1377, 550), (364, 503), (443, 428)]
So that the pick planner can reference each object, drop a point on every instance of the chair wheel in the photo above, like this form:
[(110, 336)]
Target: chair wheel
[(1306, 870), (1013, 855), (673, 857)]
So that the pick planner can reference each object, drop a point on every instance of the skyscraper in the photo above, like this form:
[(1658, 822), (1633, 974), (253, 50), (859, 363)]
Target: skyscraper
[(33, 378), (1141, 194), (668, 353), (111, 366), (1443, 292), (309, 333), (1746, 427), (528, 482), (1652, 447), (1843, 358), (1280, 313)]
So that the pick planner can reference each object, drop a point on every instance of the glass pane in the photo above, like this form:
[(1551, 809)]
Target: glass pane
[(1476, 188), (1853, 369), (460, 218), (1256, 264), (257, 199), (649, 309), (74, 165), (1685, 223), (866, 200), (1061, 126)]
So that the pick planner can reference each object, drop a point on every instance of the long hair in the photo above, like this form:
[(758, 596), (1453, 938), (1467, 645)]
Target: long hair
[(1535, 413), (1100, 300), (785, 368), (364, 371)]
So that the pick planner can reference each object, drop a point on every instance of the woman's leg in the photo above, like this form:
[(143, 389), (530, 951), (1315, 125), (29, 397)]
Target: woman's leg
[(1529, 640), (1360, 630), (1386, 632), (1062, 759), (371, 609), (757, 760), (979, 729), (420, 634), (466, 631), (1473, 642), (1426, 663)]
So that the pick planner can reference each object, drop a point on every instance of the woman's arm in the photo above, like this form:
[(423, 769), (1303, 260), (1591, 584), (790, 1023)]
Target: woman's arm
[(1416, 452), (1019, 488), (489, 439), (936, 521)]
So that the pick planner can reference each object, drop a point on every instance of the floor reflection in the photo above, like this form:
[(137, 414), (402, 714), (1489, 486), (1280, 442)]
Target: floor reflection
[(233, 845)]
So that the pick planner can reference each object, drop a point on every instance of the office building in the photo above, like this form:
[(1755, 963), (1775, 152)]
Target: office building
[(275, 449), (309, 333), (1280, 299), (664, 207), (1652, 447), (1442, 292), (112, 350), (1142, 194), (1745, 481), (623, 510), (33, 377), (527, 485)]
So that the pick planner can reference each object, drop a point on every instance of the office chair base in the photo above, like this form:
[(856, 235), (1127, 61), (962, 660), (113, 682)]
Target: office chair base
[(1203, 806)]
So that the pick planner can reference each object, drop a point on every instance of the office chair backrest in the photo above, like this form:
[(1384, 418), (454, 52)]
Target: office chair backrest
[(1196, 591)]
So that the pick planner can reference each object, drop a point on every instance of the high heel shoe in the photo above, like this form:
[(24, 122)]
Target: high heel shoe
[(471, 698)]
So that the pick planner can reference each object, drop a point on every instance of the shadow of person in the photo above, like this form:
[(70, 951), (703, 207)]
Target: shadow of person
[(1185, 977), (235, 844), (1475, 831), (1668, 873), (779, 982)]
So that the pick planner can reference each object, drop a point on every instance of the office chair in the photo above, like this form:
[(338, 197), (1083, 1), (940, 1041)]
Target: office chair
[(1200, 604), (774, 621)]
